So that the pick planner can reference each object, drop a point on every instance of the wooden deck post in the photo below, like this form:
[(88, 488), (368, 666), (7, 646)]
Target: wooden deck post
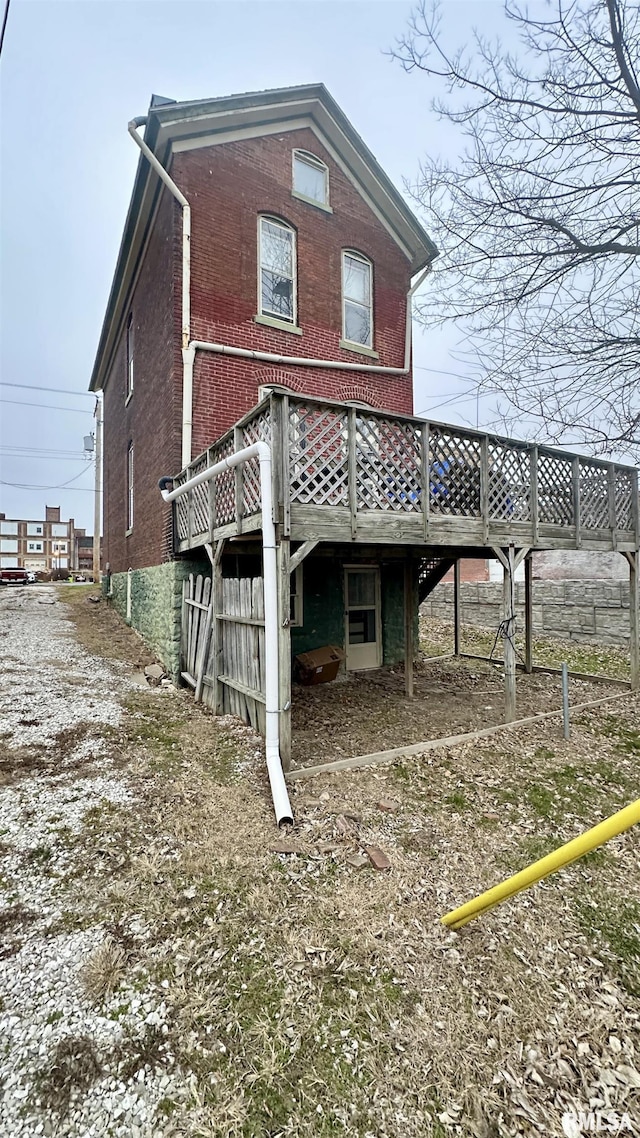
[(456, 607), (409, 616), (284, 649), (215, 657), (528, 614), (634, 618)]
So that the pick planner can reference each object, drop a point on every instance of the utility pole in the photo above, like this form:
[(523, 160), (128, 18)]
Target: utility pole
[(98, 495)]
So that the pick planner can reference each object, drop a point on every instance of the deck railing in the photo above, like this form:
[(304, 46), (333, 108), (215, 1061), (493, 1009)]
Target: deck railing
[(334, 455)]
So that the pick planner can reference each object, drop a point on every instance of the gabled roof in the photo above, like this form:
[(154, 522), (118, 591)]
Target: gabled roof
[(172, 127)]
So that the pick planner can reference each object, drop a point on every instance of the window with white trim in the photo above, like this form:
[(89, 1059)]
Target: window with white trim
[(35, 547), (277, 270), (34, 529), (129, 351), (59, 547), (130, 487), (357, 307), (310, 177)]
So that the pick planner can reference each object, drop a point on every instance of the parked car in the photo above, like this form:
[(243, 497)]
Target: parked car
[(14, 577)]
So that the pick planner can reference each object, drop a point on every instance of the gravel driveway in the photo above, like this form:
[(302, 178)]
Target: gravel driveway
[(71, 1065)]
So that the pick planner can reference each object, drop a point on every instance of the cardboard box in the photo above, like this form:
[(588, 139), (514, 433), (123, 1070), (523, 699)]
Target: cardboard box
[(318, 667)]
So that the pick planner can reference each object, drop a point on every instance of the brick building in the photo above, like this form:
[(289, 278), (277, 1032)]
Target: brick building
[(38, 545), (239, 162), (262, 295)]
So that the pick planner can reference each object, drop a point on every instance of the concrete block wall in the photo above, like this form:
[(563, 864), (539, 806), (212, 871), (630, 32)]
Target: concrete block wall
[(584, 611), (156, 603)]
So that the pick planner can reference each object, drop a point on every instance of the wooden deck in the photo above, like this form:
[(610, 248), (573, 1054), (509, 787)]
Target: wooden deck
[(348, 474)]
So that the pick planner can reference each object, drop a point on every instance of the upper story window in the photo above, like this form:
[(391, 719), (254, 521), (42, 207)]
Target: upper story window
[(277, 269), (357, 307), (310, 177), (129, 350), (35, 529)]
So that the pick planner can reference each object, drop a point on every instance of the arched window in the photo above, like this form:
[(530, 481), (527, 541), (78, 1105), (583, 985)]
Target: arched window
[(357, 299), (310, 178), (276, 269)]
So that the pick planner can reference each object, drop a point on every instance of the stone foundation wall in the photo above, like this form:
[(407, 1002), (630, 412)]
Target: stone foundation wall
[(156, 601), (585, 611)]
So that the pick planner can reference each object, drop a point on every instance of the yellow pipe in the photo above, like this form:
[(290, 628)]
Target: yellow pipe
[(564, 855)]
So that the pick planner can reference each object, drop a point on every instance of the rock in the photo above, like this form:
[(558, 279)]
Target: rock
[(378, 859), (490, 816), (285, 847), (358, 861), (345, 826), (388, 805), (155, 674), (94, 599)]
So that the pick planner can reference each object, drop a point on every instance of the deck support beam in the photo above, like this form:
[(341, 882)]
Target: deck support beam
[(409, 617), (283, 557), (510, 559), (456, 607), (634, 617)]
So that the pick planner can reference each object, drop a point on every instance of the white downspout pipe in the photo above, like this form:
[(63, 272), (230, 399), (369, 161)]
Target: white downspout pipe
[(188, 353), (260, 450)]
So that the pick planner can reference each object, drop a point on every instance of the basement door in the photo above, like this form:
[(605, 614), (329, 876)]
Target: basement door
[(363, 626)]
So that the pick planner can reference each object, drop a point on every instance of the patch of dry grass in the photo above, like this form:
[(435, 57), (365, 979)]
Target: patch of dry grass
[(311, 998), (104, 970)]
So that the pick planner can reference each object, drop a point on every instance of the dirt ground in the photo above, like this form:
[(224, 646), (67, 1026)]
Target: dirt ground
[(361, 713), (304, 993)]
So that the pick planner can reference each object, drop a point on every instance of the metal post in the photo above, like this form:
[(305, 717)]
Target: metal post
[(509, 632), (565, 701), (456, 607), (528, 614), (634, 618)]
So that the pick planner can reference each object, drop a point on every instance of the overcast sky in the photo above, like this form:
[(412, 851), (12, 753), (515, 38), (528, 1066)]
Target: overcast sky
[(73, 73)]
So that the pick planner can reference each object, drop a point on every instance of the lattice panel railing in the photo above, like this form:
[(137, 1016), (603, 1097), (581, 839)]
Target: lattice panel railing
[(199, 499), (318, 455), (181, 510), (594, 495), (387, 464), (225, 485), (257, 430), (555, 490), (509, 491), (624, 494), (454, 473)]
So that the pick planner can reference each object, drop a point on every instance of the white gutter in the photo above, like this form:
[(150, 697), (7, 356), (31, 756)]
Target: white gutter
[(260, 450), (188, 354)]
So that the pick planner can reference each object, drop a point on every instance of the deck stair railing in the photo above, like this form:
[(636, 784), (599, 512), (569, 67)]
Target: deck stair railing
[(335, 455)]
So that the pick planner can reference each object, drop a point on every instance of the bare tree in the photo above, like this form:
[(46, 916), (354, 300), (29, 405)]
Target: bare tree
[(539, 218)]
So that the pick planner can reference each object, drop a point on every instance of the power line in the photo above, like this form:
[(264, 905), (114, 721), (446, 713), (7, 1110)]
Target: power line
[(59, 486), (46, 407), (44, 457), (69, 490), (4, 24), (58, 390)]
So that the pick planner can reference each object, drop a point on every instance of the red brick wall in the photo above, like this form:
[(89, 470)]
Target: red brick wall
[(152, 417), (472, 569), (228, 186)]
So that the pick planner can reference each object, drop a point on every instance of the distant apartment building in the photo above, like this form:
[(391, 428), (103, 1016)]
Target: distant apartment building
[(83, 552), (40, 546)]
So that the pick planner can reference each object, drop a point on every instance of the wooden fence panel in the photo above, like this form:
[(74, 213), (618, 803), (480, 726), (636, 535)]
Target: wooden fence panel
[(239, 669)]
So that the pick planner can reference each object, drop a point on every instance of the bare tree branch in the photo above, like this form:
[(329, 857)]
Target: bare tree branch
[(539, 217)]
